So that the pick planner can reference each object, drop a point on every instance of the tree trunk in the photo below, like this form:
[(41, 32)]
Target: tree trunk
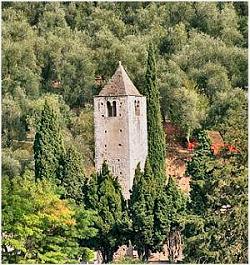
[(110, 256), (188, 135), (104, 256), (174, 246), (140, 253), (146, 253), (107, 255)]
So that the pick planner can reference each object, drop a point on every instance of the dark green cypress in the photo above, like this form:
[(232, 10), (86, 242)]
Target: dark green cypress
[(48, 145), (141, 208), (156, 135), (73, 177), (103, 195), (170, 210), (215, 231), (197, 168)]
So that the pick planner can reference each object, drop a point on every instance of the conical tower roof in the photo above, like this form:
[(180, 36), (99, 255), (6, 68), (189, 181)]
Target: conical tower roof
[(119, 85)]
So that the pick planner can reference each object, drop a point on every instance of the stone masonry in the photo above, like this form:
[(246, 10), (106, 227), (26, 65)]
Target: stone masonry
[(120, 128)]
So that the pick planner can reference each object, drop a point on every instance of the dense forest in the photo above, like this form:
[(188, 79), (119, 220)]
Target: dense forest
[(193, 58)]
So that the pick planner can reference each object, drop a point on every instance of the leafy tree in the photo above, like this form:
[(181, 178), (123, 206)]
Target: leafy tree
[(13, 126), (229, 25), (216, 232), (103, 194), (15, 162), (34, 109), (73, 177), (20, 62), (38, 227), (141, 207), (212, 79), (241, 9), (188, 108), (61, 47), (128, 260), (48, 145), (10, 166), (204, 18), (170, 80), (174, 41), (52, 18), (82, 130), (156, 136), (231, 57), (228, 114), (68, 69)]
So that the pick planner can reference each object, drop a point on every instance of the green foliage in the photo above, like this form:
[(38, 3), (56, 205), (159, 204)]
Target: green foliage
[(173, 42), (15, 162), (103, 194), (241, 9), (38, 227), (156, 136), (228, 114), (169, 214), (34, 109), (155, 213), (54, 51), (198, 168), (48, 145), (82, 130), (230, 57), (216, 232), (189, 108), (20, 64), (13, 125), (70, 65), (73, 177), (141, 207)]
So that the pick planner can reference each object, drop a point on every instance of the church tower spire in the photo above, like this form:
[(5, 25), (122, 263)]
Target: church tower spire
[(120, 85)]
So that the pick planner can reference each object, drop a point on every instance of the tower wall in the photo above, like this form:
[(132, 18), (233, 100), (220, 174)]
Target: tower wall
[(112, 139), (121, 140), (138, 144)]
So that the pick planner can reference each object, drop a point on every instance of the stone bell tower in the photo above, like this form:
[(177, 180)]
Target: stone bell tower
[(120, 128)]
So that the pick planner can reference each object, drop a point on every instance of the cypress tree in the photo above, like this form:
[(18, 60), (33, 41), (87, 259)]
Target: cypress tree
[(156, 135), (170, 207), (103, 195), (48, 145), (197, 169), (141, 207), (216, 231), (73, 177)]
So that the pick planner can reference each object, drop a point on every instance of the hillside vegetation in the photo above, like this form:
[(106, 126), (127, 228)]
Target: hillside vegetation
[(55, 58)]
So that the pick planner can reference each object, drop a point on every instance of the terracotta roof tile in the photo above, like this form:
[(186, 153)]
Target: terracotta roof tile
[(119, 85)]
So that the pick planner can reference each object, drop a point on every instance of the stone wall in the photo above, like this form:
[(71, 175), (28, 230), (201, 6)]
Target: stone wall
[(121, 140), (138, 142)]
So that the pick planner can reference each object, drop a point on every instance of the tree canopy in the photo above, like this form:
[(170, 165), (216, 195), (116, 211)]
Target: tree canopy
[(216, 231), (196, 77), (103, 194), (39, 227)]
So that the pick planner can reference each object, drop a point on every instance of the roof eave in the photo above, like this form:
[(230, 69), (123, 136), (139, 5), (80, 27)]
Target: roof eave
[(103, 96)]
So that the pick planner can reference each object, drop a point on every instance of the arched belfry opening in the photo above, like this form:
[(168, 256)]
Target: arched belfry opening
[(112, 112), (114, 108), (109, 107)]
